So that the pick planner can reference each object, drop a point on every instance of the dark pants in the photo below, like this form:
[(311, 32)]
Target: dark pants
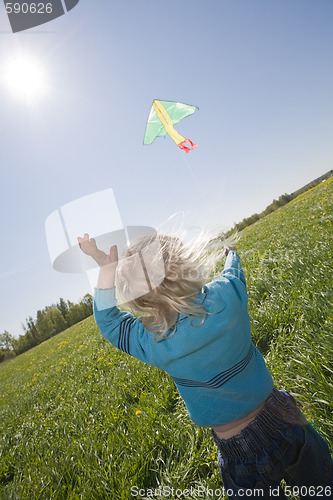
[(278, 444)]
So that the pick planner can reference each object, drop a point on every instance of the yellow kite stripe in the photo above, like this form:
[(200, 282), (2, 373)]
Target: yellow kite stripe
[(167, 122)]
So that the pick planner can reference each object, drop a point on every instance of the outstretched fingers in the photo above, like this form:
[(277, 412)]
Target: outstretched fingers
[(114, 253), (88, 246)]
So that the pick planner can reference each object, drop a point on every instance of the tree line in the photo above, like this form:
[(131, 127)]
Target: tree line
[(282, 200), (49, 322)]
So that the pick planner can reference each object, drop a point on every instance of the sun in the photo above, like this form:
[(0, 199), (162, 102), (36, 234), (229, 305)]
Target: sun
[(25, 78)]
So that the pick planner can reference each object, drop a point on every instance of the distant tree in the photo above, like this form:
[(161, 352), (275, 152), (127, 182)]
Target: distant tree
[(76, 314), (284, 199), (22, 344), (63, 308), (5, 354), (7, 341), (57, 320), (42, 325), (87, 303), (50, 321), (31, 329)]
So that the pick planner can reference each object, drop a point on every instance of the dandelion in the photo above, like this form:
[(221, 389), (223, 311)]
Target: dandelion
[(138, 412)]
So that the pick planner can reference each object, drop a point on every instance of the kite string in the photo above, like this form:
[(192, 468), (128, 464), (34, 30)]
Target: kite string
[(202, 194)]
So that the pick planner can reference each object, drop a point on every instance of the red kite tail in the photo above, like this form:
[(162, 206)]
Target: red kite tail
[(187, 145)]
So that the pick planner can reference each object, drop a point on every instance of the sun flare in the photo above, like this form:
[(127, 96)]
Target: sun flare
[(25, 78)]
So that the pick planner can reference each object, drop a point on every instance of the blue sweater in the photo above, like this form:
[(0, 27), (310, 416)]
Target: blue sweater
[(217, 370)]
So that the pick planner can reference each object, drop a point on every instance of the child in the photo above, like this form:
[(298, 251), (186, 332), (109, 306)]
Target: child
[(200, 335)]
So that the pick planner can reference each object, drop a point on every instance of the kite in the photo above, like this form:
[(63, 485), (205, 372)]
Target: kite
[(162, 117)]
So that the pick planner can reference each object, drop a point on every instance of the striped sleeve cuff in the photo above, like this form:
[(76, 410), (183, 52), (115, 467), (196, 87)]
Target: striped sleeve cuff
[(232, 260), (105, 298)]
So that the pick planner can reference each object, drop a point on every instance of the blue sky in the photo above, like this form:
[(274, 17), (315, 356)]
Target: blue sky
[(260, 72)]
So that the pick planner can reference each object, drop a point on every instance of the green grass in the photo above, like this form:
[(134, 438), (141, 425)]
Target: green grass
[(288, 261), (81, 420)]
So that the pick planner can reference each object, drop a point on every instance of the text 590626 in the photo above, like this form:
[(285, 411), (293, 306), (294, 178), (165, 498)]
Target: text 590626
[(311, 491), (28, 8)]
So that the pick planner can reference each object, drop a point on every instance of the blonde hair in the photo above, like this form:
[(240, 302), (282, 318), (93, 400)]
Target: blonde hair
[(186, 269)]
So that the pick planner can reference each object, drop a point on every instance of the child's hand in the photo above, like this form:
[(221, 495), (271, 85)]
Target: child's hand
[(89, 247), (228, 249)]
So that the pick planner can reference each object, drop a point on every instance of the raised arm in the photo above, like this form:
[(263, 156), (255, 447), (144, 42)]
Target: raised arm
[(232, 266), (107, 262), (232, 279), (120, 328)]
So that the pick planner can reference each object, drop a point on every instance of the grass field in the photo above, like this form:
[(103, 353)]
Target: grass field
[(81, 420)]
